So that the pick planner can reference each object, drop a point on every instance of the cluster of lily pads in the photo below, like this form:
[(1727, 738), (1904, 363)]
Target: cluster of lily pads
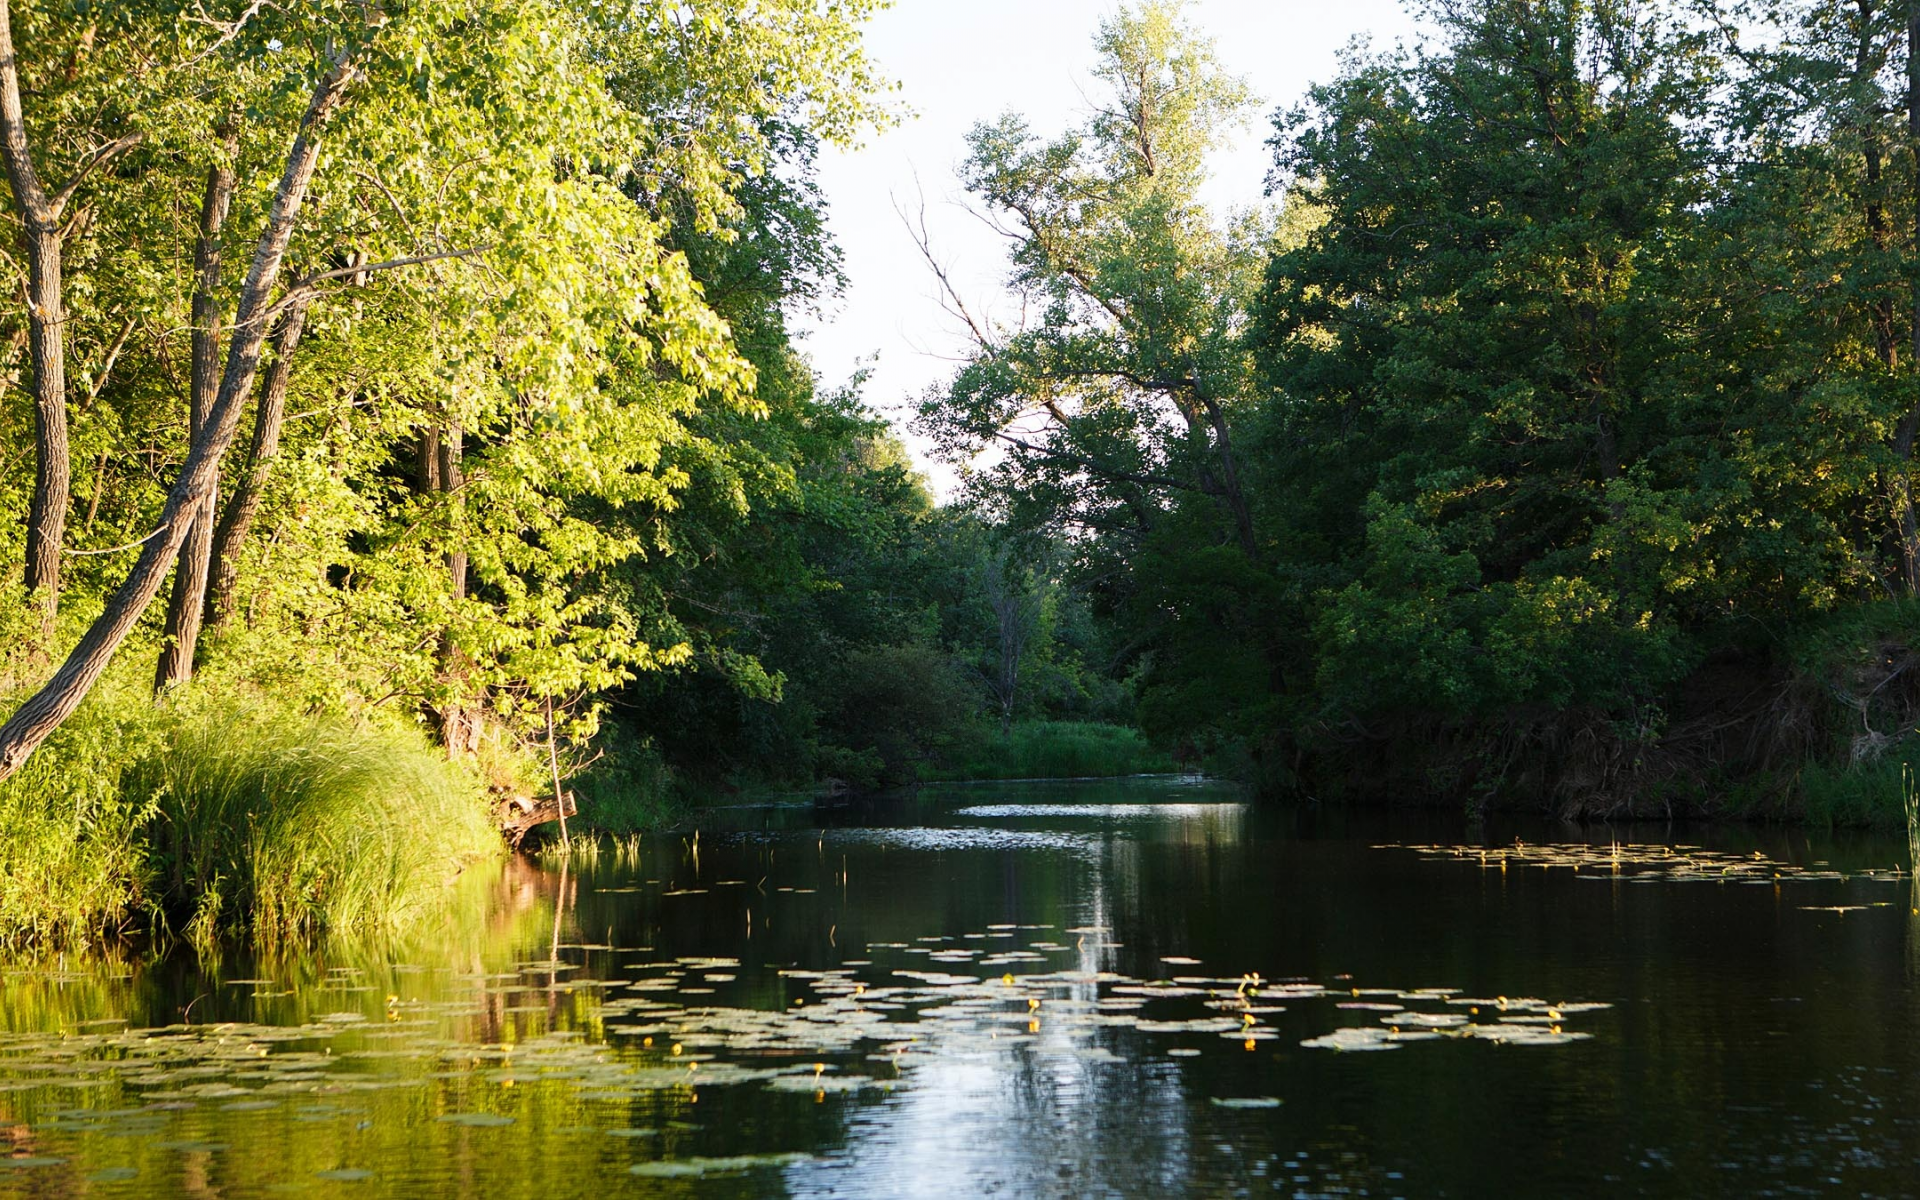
[(1636, 862), (865, 1025)]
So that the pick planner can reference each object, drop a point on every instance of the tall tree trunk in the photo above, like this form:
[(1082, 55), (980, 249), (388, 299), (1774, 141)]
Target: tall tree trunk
[(1231, 493), (235, 523), (1903, 434), (184, 607), (44, 711), (46, 323), (446, 474)]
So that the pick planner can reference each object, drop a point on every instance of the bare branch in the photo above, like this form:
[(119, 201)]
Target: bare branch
[(162, 528), (225, 31), (952, 302), (381, 186), (113, 357), (1090, 463)]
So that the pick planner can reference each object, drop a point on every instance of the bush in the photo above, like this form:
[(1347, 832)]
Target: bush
[(900, 707), (1058, 750), (1865, 794), (73, 863), (629, 790)]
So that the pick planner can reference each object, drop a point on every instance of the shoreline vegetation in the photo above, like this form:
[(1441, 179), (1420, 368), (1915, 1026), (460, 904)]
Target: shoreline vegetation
[(1546, 439)]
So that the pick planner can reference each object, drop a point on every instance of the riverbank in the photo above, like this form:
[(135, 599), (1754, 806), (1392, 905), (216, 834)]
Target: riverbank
[(1054, 750), (211, 818), (207, 818)]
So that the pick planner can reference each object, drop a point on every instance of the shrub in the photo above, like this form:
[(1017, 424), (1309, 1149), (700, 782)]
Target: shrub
[(73, 863), (1058, 750)]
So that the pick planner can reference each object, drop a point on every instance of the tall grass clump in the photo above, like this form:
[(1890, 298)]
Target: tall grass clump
[(1057, 750), (292, 827)]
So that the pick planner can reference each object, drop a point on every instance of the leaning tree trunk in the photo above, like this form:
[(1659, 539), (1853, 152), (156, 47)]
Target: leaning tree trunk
[(190, 575), (245, 501), (44, 711), (46, 320)]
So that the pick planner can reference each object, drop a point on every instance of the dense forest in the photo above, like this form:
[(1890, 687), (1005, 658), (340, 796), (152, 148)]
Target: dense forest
[(405, 419)]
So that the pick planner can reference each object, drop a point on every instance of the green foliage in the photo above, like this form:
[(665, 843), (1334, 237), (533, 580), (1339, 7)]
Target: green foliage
[(1855, 795), (628, 790), (74, 863), (1573, 377), (1054, 750), (898, 707)]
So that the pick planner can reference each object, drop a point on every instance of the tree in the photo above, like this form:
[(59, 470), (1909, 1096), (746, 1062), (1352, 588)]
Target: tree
[(536, 327), (42, 209), (1124, 387), (1114, 407), (43, 712)]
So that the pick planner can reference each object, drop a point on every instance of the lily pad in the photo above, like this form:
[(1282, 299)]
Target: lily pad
[(683, 1168)]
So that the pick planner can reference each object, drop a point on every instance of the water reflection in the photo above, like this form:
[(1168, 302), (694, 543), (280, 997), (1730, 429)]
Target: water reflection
[(1133, 989)]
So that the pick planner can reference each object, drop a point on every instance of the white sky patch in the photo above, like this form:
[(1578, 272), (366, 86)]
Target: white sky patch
[(963, 63)]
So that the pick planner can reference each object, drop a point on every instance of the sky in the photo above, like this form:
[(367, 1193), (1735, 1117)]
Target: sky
[(960, 62)]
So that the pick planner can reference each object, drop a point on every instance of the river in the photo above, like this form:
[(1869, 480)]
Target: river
[(1135, 988)]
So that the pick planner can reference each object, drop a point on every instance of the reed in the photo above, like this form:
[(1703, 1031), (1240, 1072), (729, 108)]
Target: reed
[(1910, 803), (73, 864)]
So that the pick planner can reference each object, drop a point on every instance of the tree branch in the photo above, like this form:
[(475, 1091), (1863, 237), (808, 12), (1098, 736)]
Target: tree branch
[(1095, 465), (306, 288), (99, 158)]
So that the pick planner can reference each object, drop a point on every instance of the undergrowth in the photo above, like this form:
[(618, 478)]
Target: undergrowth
[(210, 815), (73, 863), (1055, 750), (630, 789)]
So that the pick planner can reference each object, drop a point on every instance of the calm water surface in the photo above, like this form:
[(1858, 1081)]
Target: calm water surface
[(1133, 989)]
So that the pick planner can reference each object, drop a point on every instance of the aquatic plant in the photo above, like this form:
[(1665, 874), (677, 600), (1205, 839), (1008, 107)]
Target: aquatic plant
[(1647, 862), (1910, 804)]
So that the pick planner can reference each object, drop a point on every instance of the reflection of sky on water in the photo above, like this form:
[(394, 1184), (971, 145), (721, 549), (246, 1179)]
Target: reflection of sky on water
[(1139, 812), (1008, 1123), (929, 838), (1060, 1115)]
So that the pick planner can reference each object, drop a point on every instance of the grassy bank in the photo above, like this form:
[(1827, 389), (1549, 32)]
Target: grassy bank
[(1054, 750), (208, 817)]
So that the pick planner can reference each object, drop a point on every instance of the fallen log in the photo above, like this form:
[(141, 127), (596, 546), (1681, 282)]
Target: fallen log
[(519, 815)]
